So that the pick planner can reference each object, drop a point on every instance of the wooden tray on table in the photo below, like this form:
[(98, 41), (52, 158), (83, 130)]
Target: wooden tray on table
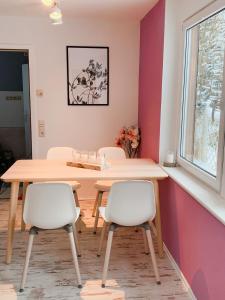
[(85, 165)]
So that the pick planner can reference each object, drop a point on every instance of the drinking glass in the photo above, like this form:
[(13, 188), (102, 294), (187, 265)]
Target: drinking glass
[(84, 156), (76, 156), (92, 157)]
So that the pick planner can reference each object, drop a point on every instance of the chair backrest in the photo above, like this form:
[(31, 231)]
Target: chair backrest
[(49, 205), (131, 203), (112, 153), (60, 153)]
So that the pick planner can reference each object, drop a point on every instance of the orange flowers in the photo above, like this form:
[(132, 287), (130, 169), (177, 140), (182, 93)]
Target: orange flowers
[(129, 139)]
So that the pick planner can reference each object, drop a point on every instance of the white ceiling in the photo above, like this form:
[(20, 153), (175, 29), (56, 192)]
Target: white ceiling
[(111, 9)]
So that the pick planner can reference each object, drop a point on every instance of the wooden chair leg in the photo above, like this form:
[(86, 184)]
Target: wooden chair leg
[(29, 248), (153, 229), (107, 255), (23, 225), (95, 206), (102, 238), (76, 198), (100, 193), (152, 251), (75, 260), (145, 242), (77, 244)]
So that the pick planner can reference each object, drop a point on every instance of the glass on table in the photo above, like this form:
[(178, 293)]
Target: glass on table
[(92, 158), (76, 155), (101, 159), (83, 156)]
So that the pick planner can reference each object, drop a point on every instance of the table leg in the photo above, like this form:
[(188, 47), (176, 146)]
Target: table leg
[(12, 219), (158, 219), (23, 225)]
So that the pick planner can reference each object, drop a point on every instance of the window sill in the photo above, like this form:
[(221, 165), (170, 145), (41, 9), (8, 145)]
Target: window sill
[(208, 198)]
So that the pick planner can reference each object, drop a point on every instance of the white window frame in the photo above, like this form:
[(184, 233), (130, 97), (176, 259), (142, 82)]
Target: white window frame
[(214, 182)]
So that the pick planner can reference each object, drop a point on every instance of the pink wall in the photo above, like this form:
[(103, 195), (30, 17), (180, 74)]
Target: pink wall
[(150, 80), (193, 236), (195, 239)]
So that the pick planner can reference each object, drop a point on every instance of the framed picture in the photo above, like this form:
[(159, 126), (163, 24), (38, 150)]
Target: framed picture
[(88, 75)]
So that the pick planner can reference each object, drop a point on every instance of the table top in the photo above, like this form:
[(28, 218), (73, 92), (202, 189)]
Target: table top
[(47, 170)]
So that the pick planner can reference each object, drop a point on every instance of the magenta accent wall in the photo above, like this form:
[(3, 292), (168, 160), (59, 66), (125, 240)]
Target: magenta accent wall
[(195, 239), (150, 80), (193, 236)]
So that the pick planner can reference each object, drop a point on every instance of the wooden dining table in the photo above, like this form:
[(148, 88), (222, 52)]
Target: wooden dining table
[(26, 171)]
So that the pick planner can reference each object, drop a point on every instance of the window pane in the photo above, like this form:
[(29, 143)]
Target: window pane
[(203, 91)]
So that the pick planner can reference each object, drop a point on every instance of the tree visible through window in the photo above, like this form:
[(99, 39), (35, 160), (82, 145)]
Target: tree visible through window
[(203, 92)]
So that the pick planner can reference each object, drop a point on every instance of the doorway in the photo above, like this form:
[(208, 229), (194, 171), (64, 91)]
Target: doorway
[(15, 116)]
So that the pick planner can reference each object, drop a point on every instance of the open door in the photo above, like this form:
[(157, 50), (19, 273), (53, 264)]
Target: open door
[(26, 110)]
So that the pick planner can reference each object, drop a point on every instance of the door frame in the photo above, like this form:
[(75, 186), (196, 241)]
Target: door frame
[(33, 98)]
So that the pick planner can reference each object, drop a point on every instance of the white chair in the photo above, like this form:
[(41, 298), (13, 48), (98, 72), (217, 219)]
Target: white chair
[(102, 186), (130, 203), (66, 154), (60, 153), (50, 206), (57, 153)]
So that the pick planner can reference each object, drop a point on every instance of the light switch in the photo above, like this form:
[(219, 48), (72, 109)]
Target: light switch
[(41, 128), (39, 92)]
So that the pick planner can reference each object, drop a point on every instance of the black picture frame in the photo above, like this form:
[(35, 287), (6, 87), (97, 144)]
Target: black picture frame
[(87, 75)]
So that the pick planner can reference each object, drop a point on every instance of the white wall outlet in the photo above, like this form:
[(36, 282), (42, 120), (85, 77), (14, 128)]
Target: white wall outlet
[(39, 92), (41, 128)]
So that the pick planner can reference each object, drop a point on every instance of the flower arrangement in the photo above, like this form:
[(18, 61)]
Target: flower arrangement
[(129, 139)]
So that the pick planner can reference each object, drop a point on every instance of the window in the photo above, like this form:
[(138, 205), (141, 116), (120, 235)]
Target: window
[(202, 129)]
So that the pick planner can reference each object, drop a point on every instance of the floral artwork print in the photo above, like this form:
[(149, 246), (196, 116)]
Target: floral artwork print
[(129, 139), (87, 75), (91, 88)]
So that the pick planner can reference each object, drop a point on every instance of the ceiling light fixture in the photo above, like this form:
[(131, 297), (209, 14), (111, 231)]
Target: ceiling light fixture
[(56, 13), (57, 22), (48, 3)]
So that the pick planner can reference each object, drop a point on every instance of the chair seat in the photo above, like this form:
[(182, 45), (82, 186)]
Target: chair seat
[(74, 184), (104, 185)]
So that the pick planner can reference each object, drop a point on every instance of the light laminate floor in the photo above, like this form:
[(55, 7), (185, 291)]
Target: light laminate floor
[(51, 274)]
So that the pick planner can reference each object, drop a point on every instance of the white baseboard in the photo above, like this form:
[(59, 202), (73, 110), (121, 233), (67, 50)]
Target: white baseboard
[(179, 273)]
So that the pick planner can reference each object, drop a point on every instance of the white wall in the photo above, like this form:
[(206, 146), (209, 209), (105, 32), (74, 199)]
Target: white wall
[(81, 127), (176, 12), (84, 128)]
